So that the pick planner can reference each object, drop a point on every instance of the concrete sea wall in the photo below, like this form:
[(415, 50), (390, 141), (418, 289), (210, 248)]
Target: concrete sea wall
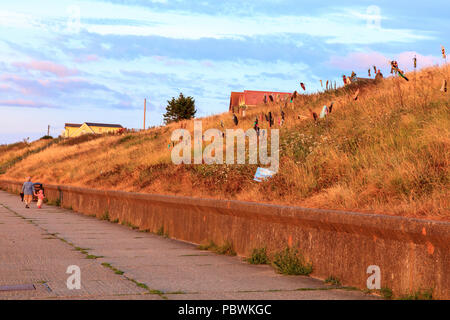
[(412, 254)]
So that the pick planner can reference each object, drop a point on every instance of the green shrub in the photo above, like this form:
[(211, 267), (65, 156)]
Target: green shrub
[(208, 246), (291, 262), (259, 256), (419, 295), (105, 215), (333, 281), (386, 293), (226, 248), (80, 139), (132, 226), (160, 231)]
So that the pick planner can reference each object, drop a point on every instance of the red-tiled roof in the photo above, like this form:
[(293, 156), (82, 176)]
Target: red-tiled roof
[(252, 97)]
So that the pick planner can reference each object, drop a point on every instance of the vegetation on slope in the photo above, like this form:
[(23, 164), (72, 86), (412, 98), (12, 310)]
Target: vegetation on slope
[(12, 153), (386, 152)]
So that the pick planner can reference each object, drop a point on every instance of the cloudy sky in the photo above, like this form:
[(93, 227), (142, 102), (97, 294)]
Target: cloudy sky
[(96, 61)]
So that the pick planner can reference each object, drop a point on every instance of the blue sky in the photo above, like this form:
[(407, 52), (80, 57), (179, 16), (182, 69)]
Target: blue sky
[(96, 61)]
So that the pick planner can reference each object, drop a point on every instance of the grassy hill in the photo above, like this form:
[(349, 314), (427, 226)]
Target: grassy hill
[(386, 152), (13, 153)]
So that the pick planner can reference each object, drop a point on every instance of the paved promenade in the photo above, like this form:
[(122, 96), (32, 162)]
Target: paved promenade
[(116, 262)]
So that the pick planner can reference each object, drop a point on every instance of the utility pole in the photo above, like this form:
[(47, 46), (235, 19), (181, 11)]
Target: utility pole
[(48, 130), (145, 109), (415, 67)]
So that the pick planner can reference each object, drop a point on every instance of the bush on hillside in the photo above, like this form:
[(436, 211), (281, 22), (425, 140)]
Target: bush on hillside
[(80, 139)]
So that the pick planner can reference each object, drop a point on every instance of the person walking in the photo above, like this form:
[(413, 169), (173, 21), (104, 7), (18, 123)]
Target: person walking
[(28, 191)]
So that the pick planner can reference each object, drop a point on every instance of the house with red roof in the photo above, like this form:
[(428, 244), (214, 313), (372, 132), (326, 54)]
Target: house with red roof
[(253, 98)]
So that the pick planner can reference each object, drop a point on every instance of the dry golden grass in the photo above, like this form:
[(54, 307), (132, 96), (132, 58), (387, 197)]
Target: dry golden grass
[(387, 152), (10, 154)]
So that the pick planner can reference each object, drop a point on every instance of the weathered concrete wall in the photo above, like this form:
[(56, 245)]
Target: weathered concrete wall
[(412, 254)]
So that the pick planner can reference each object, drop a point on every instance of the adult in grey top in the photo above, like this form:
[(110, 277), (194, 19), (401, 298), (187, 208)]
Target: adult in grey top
[(28, 187), (28, 190)]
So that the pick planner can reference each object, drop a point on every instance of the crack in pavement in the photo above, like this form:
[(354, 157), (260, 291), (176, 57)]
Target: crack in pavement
[(55, 237)]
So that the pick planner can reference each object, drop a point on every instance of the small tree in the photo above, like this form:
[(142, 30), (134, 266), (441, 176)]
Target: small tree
[(182, 108)]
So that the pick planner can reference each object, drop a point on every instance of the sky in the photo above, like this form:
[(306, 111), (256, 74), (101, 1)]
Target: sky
[(96, 61)]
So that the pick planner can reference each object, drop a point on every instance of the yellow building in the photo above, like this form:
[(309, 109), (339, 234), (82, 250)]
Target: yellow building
[(75, 130)]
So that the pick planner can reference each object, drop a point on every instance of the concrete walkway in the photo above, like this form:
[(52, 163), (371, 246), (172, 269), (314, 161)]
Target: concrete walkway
[(116, 262)]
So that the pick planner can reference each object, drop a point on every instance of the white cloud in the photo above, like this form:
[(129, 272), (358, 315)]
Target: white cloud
[(365, 60), (347, 26), (340, 28)]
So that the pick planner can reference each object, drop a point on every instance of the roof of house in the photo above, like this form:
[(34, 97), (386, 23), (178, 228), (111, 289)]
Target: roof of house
[(252, 97), (72, 125), (256, 97), (93, 124), (269, 92)]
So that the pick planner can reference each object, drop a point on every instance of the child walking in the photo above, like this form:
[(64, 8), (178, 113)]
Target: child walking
[(41, 197)]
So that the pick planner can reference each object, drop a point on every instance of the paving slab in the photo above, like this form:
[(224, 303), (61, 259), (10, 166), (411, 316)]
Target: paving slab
[(37, 246)]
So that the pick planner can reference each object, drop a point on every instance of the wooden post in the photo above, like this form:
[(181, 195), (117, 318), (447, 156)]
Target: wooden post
[(415, 66), (145, 109)]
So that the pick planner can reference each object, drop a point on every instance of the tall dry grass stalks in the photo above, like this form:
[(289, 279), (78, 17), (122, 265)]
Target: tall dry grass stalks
[(387, 152)]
